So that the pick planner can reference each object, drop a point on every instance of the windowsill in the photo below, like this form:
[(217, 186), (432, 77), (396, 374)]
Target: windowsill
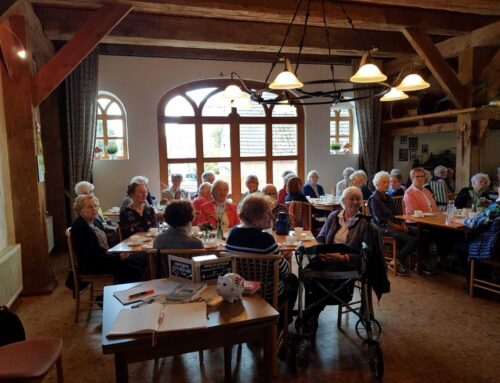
[(111, 159)]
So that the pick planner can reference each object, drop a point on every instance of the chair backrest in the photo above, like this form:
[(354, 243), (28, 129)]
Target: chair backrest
[(300, 214), (73, 260), (11, 327), (440, 190), (260, 267), (398, 202)]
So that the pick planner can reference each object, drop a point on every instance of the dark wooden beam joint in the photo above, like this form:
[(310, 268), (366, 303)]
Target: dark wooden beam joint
[(12, 39), (443, 73), (86, 38)]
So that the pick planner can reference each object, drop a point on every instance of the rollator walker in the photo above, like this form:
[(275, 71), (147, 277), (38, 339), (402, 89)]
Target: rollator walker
[(341, 278)]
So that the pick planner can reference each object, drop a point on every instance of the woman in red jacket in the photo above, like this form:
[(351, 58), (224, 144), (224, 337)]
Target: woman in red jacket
[(219, 208)]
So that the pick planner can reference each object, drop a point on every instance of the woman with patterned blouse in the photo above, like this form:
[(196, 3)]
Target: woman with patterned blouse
[(137, 216)]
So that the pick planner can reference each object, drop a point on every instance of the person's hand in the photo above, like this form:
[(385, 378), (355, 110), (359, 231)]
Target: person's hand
[(124, 256), (334, 257)]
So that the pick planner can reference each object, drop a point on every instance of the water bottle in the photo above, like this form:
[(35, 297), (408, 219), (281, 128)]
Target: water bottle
[(450, 211), (220, 232), (282, 227)]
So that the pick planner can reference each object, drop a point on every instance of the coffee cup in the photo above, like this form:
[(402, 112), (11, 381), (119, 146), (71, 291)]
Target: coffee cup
[(195, 230), (153, 231), (290, 240), (298, 231), (418, 213)]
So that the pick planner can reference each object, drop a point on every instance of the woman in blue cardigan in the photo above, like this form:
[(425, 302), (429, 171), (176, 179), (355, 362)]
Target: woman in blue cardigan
[(312, 188)]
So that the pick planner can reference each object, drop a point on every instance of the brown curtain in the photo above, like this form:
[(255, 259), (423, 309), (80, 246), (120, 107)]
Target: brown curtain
[(368, 113), (81, 106)]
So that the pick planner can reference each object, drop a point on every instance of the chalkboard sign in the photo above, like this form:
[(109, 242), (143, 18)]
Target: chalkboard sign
[(208, 271), (181, 268)]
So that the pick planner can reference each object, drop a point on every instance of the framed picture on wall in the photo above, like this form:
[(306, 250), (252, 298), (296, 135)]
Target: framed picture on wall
[(413, 155), (403, 155), (425, 148), (403, 140), (413, 143)]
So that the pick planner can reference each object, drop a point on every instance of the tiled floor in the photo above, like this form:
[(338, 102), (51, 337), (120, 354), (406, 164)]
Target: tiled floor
[(432, 332)]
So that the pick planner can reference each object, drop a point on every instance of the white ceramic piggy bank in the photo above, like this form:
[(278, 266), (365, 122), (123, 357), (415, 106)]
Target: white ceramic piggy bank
[(230, 287)]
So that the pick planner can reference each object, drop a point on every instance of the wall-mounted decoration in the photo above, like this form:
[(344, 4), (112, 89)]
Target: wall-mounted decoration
[(403, 155), (413, 155), (403, 140), (425, 148), (413, 143)]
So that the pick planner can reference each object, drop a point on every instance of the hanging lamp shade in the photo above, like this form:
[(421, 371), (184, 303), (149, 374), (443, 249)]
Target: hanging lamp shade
[(368, 73), (413, 82), (286, 80), (394, 95), (233, 92)]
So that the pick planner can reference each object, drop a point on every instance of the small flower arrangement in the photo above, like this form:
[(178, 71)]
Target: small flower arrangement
[(97, 152)]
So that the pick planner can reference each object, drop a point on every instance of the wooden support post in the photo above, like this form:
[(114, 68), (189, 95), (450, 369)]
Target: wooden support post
[(464, 146), (27, 193)]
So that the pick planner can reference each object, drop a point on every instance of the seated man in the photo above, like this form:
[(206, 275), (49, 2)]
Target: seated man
[(383, 211), (175, 191)]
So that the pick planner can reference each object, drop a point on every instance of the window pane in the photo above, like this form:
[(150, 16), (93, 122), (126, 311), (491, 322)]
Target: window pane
[(103, 102), (252, 140), (178, 106), (257, 168), (189, 174), (180, 141), (344, 127), (119, 144), (199, 95), (100, 144), (284, 139), (99, 130), (333, 128), (217, 106), (222, 171), (279, 167), (249, 108), (114, 110), (284, 110), (115, 128), (344, 113), (216, 141)]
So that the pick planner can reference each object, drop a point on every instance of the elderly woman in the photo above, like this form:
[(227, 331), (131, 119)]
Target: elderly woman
[(471, 197), (312, 188), (208, 177), (341, 185), (90, 244), (178, 215), (270, 191), (139, 180), (250, 237), (383, 211), (175, 191), (282, 192), (294, 190), (396, 189), (219, 209), (417, 197), (359, 180), (204, 196), (138, 216), (252, 184), (347, 226), (439, 186)]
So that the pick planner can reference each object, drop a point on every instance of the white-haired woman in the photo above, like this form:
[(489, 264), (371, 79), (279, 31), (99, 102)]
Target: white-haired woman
[(204, 196), (84, 188), (252, 184), (475, 196), (383, 210), (344, 183), (219, 208), (359, 179), (347, 226), (142, 180), (311, 188)]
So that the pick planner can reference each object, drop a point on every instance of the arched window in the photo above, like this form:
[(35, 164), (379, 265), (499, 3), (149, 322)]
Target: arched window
[(341, 131), (200, 131), (111, 128)]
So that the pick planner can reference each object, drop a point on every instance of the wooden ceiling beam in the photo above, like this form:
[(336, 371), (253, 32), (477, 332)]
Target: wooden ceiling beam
[(443, 73), (184, 32), (81, 44), (488, 35), (9, 46), (364, 16)]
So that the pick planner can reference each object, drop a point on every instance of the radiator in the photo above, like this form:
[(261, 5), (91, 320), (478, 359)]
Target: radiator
[(11, 274)]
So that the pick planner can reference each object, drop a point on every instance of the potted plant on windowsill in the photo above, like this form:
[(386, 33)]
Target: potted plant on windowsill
[(97, 153), (335, 147), (112, 149)]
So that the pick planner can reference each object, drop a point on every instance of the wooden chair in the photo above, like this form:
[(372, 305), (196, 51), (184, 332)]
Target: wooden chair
[(478, 283), (398, 201), (91, 279), (265, 269), (300, 214), (162, 256)]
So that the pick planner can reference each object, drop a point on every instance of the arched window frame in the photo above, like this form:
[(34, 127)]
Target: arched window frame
[(104, 117), (335, 119), (234, 121)]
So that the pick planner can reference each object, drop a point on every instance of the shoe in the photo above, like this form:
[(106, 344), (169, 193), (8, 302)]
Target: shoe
[(401, 270), (429, 271)]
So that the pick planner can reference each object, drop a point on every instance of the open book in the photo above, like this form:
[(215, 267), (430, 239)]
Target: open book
[(157, 317)]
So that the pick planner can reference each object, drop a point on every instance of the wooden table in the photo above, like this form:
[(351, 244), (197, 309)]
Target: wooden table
[(327, 206), (436, 220), (116, 214), (251, 319)]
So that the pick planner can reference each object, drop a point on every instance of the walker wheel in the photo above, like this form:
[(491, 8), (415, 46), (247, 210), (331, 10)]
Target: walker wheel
[(361, 329)]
